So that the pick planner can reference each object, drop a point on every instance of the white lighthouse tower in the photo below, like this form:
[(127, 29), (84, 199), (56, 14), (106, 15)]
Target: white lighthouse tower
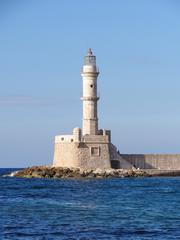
[(89, 75)]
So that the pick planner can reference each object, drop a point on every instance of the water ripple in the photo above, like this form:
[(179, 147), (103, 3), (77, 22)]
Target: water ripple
[(142, 208)]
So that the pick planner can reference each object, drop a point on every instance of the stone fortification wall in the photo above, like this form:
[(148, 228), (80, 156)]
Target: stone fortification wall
[(96, 138), (154, 161), (83, 155), (64, 155), (94, 151)]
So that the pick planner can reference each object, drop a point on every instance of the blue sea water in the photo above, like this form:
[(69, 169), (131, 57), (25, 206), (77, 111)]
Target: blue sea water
[(128, 208)]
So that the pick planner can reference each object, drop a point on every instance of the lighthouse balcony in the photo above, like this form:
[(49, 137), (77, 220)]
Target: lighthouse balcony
[(90, 98), (89, 69)]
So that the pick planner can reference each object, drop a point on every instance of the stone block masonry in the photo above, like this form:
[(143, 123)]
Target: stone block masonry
[(84, 154)]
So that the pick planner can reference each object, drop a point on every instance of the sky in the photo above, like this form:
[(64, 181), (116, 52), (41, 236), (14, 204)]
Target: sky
[(42, 45)]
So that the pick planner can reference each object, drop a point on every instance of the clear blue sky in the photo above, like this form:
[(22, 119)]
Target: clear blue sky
[(42, 44)]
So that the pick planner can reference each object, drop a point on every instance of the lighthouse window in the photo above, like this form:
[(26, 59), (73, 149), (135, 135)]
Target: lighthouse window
[(91, 86), (95, 151)]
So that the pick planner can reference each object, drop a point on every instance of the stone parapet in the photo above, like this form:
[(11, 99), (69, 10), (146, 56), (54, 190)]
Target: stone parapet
[(96, 138), (64, 138)]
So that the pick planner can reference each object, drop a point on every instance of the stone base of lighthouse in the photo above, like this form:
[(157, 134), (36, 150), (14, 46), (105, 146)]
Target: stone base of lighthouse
[(87, 152)]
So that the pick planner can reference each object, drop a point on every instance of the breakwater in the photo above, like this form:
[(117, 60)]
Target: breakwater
[(59, 172), (154, 161)]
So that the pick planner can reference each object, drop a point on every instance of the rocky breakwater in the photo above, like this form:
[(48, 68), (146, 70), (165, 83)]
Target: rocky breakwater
[(59, 172)]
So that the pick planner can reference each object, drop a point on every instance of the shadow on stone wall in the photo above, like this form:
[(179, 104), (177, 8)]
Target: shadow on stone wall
[(138, 161), (115, 164)]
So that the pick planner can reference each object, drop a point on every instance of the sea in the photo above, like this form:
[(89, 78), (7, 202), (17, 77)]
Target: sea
[(86, 209)]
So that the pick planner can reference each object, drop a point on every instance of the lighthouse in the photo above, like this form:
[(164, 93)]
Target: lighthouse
[(89, 76), (91, 147)]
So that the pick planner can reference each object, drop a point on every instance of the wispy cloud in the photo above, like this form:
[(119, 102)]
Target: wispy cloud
[(21, 100), (24, 100)]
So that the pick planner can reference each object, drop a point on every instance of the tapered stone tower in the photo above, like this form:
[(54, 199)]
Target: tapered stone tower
[(89, 75), (90, 148)]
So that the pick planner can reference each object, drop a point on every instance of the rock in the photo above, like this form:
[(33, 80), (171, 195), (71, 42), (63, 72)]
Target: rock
[(58, 175), (36, 174), (59, 172)]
